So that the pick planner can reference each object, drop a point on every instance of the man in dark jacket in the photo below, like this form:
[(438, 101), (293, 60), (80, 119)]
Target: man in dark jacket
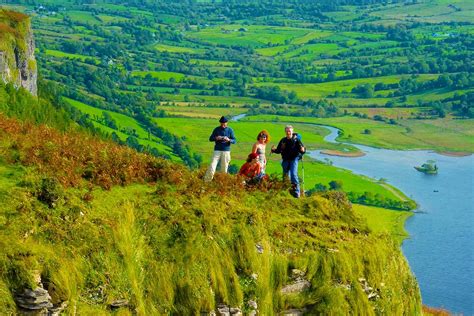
[(291, 150), (223, 136)]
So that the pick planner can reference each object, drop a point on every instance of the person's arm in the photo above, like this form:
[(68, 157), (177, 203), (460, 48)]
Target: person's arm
[(254, 148), (232, 137), (278, 149), (214, 136), (301, 147), (243, 169)]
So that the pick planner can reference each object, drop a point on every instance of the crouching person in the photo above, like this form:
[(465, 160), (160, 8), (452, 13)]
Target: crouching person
[(252, 169)]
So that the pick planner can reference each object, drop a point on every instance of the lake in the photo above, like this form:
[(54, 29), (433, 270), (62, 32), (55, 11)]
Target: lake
[(440, 249)]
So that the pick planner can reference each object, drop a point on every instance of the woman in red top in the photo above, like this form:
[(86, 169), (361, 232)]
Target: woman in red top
[(251, 168)]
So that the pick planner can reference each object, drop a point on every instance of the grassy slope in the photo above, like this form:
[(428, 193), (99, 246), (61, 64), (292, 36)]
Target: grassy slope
[(178, 247), (123, 121)]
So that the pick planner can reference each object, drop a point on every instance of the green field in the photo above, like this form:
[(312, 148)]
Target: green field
[(248, 35), (201, 111), (319, 90), (177, 49), (123, 121), (59, 54), (441, 135), (381, 220), (160, 75)]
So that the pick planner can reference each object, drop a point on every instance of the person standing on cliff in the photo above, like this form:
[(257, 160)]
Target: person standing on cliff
[(291, 149), (223, 136)]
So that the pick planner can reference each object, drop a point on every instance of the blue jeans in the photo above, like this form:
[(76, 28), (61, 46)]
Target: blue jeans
[(291, 167)]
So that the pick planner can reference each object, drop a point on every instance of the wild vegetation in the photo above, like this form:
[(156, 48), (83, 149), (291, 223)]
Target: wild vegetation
[(166, 242), (285, 58), (101, 222)]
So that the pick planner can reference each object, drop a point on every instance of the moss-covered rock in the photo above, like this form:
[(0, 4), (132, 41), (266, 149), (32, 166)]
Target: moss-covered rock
[(17, 60)]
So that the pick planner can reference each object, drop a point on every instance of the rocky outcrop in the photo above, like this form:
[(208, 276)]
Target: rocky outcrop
[(17, 47)]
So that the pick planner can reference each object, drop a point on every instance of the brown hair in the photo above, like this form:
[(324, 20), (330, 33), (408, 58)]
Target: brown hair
[(264, 132)]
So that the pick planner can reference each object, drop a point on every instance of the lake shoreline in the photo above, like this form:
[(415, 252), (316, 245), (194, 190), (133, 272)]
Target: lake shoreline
[(454, 153), (338, 153)]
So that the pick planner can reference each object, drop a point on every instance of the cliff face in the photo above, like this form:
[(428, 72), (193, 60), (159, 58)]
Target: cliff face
[(17, 47)]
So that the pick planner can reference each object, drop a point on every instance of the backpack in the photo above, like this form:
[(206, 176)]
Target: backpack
[(298, 138)]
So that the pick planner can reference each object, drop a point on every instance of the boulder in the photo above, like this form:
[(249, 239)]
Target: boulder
[(36, 299), (297, 287)]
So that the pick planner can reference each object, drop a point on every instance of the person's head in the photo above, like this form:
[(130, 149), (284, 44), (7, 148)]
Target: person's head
[(263, 137), (223, 120), (251, 157), (288, 131)]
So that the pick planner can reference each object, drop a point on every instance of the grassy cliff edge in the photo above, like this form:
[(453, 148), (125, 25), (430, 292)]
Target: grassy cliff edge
[(112, 224)]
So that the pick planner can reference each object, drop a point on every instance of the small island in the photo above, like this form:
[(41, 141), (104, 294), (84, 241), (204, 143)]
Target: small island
[(429, 167)]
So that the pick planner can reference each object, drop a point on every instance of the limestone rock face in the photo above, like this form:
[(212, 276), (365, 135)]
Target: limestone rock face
[(17, 47)]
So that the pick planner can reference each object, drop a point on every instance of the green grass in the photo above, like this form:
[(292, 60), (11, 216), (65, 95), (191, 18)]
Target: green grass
[(310, 51), (169, 247), (381, 220), (83, 16), (111, 19), (255, 36), (123, 121), (161, 75), (319, 90), (201, 111), (177, 49), (441, 135), (436, 11), (60, 54), (395, 113), (316, 34)]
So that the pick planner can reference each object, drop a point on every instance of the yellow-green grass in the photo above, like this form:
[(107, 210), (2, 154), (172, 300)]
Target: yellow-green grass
[(433, 11), (254, 36), (381, 45), (211, 99), (272, 51), (161, 75), (381, 220), (313, 50), (395, 113), (60, 54), (177, 49), (123, 121), (441, 135), (434, 95), (201, 111), (363, 35), (52, 33), (342, 16), (319, 90), (83, 16), (362, 102), (316, 34), (219, 63), (153, 143), (169, 19), (111, 19)]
